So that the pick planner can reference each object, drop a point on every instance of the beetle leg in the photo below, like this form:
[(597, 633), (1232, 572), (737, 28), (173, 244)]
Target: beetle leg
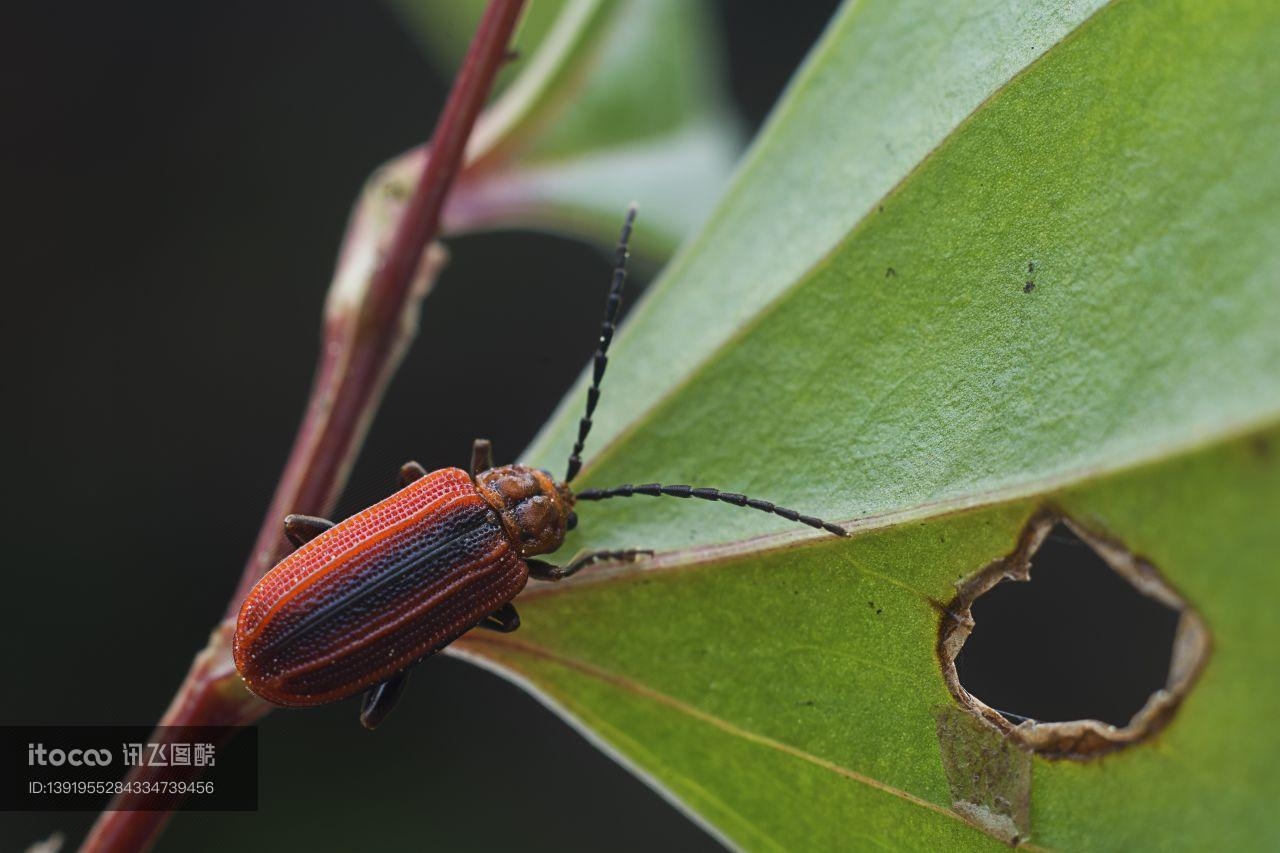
[(379, 701), (301, 529), (411, 471), (547, 572), (481, 456), (504, 620)]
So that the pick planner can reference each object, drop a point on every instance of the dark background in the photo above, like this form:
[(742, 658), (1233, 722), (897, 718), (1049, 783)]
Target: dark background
[(176, 180)]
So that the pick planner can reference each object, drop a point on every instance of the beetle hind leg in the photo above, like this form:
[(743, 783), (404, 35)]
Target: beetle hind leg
[(411, 471), (379, 701), (301, 529)]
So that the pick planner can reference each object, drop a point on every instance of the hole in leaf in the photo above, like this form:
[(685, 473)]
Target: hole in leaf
[(1092, 651), (1028, 658)]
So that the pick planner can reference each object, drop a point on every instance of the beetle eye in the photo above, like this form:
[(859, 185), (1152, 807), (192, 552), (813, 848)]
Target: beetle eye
[(572, 521)]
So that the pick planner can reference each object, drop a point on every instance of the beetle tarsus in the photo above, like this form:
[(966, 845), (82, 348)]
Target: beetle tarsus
[(504, 620), (411, 471), (481, 456), (301, 529), (379, 701), (547, 572)]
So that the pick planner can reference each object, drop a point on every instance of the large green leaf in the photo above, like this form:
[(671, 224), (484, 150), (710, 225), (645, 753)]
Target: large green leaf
[(984, 259)]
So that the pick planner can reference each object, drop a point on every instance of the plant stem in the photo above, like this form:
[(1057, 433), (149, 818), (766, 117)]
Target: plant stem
[(370, 319)]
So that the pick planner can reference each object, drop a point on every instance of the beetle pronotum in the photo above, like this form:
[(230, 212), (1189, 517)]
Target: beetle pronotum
[(361, 601)]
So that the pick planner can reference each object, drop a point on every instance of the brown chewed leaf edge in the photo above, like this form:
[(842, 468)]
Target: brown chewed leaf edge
[(1078, 739)]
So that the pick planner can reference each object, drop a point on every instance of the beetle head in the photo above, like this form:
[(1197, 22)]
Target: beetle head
[(534, 508)]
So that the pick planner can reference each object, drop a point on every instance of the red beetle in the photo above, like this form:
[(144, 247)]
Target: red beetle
[(360, 602)]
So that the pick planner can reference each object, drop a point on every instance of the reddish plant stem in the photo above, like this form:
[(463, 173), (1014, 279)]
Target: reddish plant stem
[(367, 329), (339, 411)]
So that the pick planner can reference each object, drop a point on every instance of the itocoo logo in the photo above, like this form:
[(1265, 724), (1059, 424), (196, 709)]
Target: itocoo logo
[(38, 755)]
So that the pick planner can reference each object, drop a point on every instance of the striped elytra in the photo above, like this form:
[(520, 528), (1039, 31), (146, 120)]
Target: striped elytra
[(377, 592)]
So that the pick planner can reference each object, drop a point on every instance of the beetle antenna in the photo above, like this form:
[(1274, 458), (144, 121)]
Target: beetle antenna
[(655, 490), (607, 328)]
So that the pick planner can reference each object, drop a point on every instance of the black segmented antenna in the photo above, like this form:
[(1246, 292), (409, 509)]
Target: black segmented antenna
[(606, 337), (655, 490)]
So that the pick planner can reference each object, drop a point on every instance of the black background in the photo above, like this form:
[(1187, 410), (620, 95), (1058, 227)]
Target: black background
[(176, 180)]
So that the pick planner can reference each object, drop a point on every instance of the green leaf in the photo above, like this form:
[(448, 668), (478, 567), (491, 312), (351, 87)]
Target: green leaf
[(853, 334), (613, 101)]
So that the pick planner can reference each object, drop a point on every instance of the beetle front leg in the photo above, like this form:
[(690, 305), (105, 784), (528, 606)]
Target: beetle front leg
[(481, 456), (504, 620), (301, 529), (379, 701), (547, 572)]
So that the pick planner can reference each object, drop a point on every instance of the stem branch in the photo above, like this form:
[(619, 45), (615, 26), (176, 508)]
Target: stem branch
[(370, 319)]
